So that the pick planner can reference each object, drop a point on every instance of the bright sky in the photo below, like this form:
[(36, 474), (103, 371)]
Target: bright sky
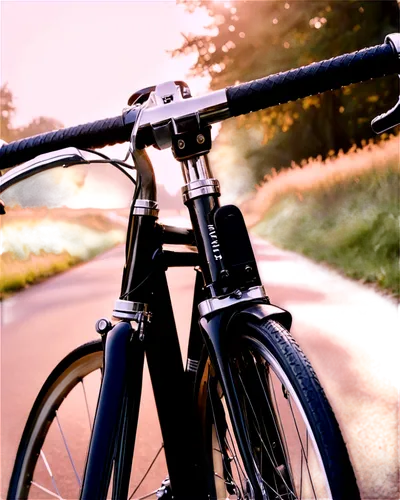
[(80, 61)]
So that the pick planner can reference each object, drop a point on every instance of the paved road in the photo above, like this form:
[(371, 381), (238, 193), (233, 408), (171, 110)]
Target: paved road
[(348, 332)]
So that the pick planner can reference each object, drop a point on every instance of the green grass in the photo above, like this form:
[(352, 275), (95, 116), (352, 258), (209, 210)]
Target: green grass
[(24, 261), (350, 222)]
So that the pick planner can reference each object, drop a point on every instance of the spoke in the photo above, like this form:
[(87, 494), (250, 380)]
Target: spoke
[(218, 476), (216, 431), (237, 462), (269, 407), (45, 490), (87, 405), (148, 495), (302, 448), (145, 474), (46, 463), (271, 458), (239, 468), (272, 489), (285, 445), (301, 467), (301, 474), (232, 482), (237, 492), (278, 472), (68, 450), (232, 449)]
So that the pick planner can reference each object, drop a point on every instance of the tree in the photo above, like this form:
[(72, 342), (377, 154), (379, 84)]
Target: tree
[(47, 188), (249, 40), (37, 126), (7, 111)]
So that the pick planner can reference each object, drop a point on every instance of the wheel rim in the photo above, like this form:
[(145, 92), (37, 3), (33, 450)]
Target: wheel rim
[(285, 381), (52, 465), (61, 434), (287, 458)]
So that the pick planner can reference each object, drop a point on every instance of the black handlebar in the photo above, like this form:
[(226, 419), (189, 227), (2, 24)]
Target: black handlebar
[(259, 94), (315, 78), (90, 135)]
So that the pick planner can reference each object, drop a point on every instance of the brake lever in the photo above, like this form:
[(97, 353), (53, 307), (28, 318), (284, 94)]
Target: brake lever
[(388, 120), (391, 118), (138, 111)]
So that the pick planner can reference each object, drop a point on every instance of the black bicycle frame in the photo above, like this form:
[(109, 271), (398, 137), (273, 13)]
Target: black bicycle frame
[(144, 281)]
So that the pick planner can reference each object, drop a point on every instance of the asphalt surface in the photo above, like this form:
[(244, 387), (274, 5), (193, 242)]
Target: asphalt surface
[(349, 333)]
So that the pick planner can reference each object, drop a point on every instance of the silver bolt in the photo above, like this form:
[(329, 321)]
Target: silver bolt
[(181, 144), (102, 324), (224, 273), (201, 139), (237, 294)]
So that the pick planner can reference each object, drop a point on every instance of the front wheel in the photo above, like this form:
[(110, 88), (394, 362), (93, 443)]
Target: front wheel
[(52, 451), (296, 444)]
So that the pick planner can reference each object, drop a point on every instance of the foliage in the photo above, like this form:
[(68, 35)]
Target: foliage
[(7, 110), (38, 243), (249, 40), (344, 212), (46, 188)]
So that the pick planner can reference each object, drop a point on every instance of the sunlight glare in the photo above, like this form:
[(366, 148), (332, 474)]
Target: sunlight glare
[(89, 198)]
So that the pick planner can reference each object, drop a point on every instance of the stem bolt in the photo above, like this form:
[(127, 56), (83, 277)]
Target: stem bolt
[(201, 139), (181, 144)]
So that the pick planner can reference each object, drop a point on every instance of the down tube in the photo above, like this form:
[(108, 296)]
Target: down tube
[(172, 396)]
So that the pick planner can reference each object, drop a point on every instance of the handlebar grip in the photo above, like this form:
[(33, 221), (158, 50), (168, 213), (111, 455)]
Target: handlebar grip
[(315, 78), (91, 135)]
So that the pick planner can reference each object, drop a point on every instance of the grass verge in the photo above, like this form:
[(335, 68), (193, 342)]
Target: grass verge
[(344, 212), (25, 260)]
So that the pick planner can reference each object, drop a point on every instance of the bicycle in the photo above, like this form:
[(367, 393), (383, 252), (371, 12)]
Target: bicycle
[(251, 420)]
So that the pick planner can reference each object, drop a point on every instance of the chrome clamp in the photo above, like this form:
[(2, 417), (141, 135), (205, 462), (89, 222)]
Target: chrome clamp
[(145, 207), (125, 309), (217, 303), (198, 188), (133, 311)]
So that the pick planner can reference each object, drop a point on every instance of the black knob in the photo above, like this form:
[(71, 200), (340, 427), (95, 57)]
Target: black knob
[(103, 326)]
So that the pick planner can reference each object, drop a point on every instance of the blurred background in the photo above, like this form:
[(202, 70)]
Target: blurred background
[(310, 176), (65, 63)]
